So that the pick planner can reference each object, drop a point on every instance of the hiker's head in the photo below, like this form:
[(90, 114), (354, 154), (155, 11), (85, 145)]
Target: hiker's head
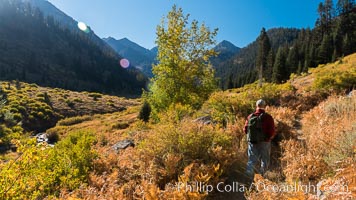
[(261, 103)]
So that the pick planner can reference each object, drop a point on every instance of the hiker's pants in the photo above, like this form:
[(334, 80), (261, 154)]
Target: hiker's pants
[(258, 152)]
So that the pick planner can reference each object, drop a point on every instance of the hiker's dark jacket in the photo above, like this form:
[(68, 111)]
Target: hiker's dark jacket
[(267, 124)]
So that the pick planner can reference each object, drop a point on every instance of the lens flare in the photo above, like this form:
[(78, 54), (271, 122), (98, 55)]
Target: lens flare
[(124, 63), (83, 27)]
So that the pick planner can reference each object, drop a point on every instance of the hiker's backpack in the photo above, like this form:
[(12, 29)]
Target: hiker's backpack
[(255, 133)]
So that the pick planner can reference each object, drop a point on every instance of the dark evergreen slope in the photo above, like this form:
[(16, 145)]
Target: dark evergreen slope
[(35, 48), (294, 51), (140, 57), (240, 69), (65, 21)]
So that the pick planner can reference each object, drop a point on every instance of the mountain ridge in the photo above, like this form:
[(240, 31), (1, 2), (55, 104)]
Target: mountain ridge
[(226, 46), (144, 58), (66, 21), (139, 56), (54, 56)]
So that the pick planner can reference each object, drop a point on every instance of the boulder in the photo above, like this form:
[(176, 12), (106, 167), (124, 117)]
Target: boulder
[(123, 145), (204, 120)]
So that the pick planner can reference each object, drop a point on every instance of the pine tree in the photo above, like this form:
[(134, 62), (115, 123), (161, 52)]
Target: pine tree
[(279, 66), (346, 45), (344, 6), (230, 82), (18, 84), (264, 47), (329, 11), (326, 14), (292, 59), (300, 68), (183, 73), (337, 38), (269, 67), (325, 50)]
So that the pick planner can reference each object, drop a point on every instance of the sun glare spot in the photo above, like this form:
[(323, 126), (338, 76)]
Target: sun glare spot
[(124, 63), (83, 27)]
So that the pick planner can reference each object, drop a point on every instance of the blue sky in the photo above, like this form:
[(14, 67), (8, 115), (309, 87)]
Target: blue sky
[(239, 21)]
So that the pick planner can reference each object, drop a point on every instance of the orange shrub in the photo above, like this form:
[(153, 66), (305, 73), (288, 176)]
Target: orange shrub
[(285, 121), (327, 137)]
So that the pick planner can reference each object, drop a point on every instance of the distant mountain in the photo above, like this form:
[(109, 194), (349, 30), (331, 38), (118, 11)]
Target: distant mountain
[(38, 49), (49, 9), (154, 50), (139, 56), (143, 58), (226, 51), (226, 47)]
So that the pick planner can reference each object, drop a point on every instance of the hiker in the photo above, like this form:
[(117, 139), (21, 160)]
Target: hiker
[(260, 130)]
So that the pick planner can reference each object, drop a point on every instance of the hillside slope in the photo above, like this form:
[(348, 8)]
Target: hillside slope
[(39, 108), (315, 146), (66, 22), (37, 49)]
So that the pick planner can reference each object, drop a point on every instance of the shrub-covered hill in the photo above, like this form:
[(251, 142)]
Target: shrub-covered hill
[(333, 77), (315, 145), (36, 108)]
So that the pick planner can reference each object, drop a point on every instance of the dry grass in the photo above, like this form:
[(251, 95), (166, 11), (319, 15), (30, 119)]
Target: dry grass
[(329, 123), (84, 104), (328, 135), (148, 173), (316, 141)]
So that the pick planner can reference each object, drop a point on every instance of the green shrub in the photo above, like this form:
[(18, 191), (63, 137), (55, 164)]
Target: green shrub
[(192, 140), (174, 146), (17, 117), (335, 80), (5, 134), (33, 85), (174, 114), (21, 109), (95, 96), (225, 106), (60, 130), (40, 172), (40, 94), (145, 112), (336, 76), (78, 100), (40, 115), (41, 99), (344, 147), (70, 103), (110, 104), (65, 96), (120, 125), (103, 140), (53, 137), (47, 99), (74, 120), (9, 119), (14, 110)]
